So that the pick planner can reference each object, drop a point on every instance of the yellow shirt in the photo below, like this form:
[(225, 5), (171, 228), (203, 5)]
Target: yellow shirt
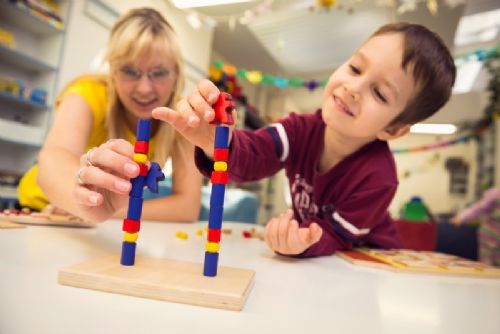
[(95, 93)]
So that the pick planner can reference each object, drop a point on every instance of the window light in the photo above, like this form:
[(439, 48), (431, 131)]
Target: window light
[(182, 4), (427, 128)]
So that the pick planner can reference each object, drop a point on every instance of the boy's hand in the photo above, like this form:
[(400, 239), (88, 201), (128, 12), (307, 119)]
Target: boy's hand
[(192, 116), (284, 236)]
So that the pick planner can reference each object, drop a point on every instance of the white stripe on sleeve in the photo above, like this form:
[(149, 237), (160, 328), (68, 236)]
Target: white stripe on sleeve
[(284, 140), (350, 227)]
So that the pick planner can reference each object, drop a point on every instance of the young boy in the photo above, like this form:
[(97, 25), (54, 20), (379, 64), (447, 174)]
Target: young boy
[(341, 172)]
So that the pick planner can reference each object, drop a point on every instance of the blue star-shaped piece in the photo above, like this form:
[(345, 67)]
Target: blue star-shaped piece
[(154, 176)]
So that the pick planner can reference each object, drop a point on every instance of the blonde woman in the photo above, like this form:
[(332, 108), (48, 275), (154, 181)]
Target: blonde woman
[(82, 171)]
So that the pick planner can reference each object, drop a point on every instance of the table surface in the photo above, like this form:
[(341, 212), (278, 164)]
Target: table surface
[(323, 294)]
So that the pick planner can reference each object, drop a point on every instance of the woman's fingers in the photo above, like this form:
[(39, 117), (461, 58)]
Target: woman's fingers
[(114, 156), (87, 197), (94, 177)]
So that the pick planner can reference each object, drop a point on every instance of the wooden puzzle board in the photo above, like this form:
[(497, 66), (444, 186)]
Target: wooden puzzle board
[(4, 224), (175, 281), (45, 219), (403, 260)]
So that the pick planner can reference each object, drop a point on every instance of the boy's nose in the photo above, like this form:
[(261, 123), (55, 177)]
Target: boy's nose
[(352, 92)]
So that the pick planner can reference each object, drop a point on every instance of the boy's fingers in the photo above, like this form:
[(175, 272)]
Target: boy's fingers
[(283, 226), (315, 233), (268, 237), (201, 106), (209, 91), (293, 235), (165, 114)]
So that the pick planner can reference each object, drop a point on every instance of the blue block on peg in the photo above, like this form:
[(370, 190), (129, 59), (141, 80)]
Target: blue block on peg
[(134, 208), (217, 195), (128, 253), (210, 265), (137, 186), (221, 136), (215, 217), (143, 130)]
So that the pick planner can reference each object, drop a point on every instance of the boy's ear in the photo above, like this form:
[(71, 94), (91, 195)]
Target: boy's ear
[(393, 132)]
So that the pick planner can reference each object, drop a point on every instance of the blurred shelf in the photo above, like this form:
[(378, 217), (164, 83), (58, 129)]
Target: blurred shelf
[(5, 96), (22, 16), (8, 192), (22, 60), (17, 133)]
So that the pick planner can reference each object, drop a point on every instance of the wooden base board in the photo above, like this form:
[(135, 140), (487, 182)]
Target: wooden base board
[(175, 281)]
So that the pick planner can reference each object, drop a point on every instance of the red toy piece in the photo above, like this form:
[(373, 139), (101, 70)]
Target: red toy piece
[(223, 110), (221, 154), (219, 177)]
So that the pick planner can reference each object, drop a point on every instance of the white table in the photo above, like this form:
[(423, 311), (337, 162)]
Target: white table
[(320, 295)]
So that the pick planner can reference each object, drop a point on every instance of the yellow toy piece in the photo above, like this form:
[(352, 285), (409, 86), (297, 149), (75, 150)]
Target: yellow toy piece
[(199, 232), (220, 166), (212, 247), (181, 235), (130, 237), (139, 157)]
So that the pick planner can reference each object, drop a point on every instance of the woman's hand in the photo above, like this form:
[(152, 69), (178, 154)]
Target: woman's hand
[(283, 235), (103, 181)]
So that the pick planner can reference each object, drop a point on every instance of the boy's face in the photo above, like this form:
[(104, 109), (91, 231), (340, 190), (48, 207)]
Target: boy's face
[(366, 93)]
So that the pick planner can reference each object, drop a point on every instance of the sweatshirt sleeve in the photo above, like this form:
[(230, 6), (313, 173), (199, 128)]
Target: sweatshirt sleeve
[(254, 155), (354, 221)]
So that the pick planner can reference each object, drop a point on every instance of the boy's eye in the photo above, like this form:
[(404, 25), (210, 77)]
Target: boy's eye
[(379, 95), (354, 69)]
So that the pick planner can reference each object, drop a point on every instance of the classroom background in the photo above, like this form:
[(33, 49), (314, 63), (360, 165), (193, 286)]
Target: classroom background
[(274, 56)]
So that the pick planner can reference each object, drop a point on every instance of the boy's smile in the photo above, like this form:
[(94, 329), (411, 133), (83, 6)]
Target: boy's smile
[(366, 93)]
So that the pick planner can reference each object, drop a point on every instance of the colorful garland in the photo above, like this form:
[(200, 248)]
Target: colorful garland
[(219, 68), (481, 126), (433, 146)]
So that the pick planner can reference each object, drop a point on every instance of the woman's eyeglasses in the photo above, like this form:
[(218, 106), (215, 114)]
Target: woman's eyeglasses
[(129, 73)]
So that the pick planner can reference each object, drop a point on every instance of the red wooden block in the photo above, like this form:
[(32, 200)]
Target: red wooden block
[(213, 235), (141, 147), (247, 234), (219, 177), (143, 169), (221, 154), (131, 226)]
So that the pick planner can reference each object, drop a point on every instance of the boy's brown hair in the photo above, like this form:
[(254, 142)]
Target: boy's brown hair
[(432, 66)]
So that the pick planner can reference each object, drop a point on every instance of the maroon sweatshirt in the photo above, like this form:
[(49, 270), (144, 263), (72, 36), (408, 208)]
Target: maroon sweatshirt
[(349, 201)]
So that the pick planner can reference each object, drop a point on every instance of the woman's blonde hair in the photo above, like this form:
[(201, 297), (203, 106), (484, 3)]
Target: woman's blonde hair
[(135, 32)]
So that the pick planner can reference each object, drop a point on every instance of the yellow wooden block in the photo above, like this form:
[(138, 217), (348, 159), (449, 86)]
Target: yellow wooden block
[(139, 157), (130, 237), (220, 166), (212, 247)]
